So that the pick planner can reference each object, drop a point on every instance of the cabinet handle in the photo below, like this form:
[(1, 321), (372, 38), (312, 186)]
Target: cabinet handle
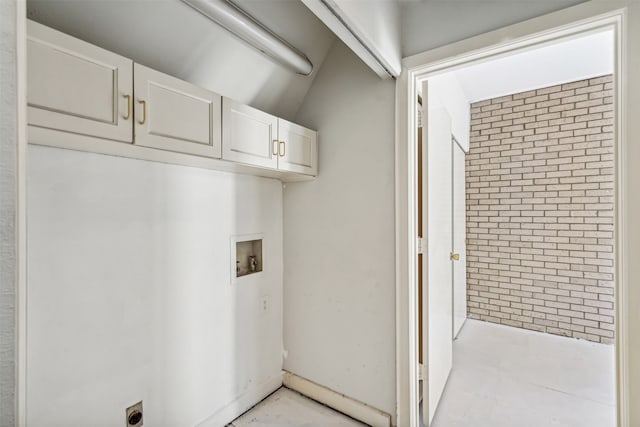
[(128, 116), (282, 145), (144, 112), (275, 147)]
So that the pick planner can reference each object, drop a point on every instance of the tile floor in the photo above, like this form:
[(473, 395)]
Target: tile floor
[(502, 377), (287, 408), (506, 377)]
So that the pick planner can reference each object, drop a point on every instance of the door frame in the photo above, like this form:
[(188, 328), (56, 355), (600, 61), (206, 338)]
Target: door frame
[(20, 387), (430, 324), (571, 22), (455, 145)]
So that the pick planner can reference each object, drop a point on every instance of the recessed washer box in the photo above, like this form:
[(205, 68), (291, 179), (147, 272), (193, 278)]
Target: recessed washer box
[(246, 256)]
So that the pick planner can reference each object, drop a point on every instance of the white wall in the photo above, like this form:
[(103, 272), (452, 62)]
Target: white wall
[(170, 36), (8, 208), (339, 319), (446, 92), (427, 24), (129, 294)]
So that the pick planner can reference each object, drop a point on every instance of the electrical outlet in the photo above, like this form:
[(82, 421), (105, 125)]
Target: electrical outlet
[(264, 304), (134, 415)]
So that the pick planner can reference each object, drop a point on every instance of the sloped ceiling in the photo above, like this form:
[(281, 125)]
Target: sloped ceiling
[(171, 37)]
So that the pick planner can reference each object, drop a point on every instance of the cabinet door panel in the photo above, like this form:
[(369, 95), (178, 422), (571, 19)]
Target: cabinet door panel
[(248, 135), (298, 148), (77, 87), (174, 115)]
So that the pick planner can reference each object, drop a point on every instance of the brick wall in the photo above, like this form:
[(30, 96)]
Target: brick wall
[(539, 178)]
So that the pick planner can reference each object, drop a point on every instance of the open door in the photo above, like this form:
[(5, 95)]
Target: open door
[(437, 294), (459, 243)]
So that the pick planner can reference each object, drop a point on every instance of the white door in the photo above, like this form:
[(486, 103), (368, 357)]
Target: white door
[(437, 270), (76, 87), (249, 135), (298, 148), (174, 115), (459, 240)]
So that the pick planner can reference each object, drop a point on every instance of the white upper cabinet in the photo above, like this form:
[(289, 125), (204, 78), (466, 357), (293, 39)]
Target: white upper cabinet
[(298, 148), (85, 91), (249, 135), (76, 87), (256, 138), (174, 115)]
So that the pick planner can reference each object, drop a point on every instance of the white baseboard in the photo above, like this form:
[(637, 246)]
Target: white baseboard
[(243, 403), (351, 407)]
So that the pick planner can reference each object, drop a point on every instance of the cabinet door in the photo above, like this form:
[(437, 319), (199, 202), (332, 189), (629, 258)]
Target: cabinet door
[(76, 87), (298, 148), (174, 115), (249, 135)]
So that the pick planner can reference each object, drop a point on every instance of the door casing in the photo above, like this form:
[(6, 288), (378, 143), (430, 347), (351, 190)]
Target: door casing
[(458, 238), (571, 22)]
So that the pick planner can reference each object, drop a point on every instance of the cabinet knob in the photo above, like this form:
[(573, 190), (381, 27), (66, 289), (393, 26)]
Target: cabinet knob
[(454, 256)]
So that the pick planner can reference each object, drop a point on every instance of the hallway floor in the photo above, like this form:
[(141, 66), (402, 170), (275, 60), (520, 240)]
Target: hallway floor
[(505, 377), (287, 408), (502, 377)]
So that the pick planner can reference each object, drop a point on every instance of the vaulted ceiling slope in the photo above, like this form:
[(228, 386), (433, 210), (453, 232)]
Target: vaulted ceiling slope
[(171, 37)]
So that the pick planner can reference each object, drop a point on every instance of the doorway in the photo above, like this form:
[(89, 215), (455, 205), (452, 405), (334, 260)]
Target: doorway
[(414, 81), (540, 221)]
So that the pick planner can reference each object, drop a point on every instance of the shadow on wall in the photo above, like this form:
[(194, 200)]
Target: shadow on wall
[(340, 288), (130, 293)]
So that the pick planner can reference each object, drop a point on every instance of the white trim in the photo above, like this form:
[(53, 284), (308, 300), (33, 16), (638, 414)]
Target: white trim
[(21, 219), (406, 266), (341, 403), (570, 22), (622, 306), (243, 403)]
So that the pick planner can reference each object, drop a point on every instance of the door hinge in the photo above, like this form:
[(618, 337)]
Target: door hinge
[(422, 243), (421, 371)]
